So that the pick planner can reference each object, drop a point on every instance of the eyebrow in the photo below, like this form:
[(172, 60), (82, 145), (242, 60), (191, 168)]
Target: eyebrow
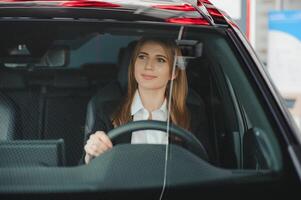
[(141, 52)]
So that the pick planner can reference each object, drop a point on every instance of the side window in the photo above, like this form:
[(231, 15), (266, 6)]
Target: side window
[(207, 79), (257, 145), (228, 121)]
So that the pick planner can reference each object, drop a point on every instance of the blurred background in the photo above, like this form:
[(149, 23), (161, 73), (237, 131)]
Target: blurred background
[(273, 28)]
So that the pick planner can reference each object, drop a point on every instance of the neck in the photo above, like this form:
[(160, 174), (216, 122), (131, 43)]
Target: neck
[(152, 99)]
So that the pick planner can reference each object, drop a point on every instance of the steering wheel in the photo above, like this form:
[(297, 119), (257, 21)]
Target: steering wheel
[(192, 142)]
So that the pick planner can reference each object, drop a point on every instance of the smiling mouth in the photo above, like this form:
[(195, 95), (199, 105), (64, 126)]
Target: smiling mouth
[(148, 77)]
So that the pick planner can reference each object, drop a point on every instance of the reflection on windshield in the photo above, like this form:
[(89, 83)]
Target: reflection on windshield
[(162, 81)]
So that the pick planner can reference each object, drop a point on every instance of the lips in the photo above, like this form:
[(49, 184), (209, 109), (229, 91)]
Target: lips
[(148, 77)]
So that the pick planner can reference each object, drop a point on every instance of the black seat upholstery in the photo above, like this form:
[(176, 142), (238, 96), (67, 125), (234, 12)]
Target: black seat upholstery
[(114, 90), (8, 115)]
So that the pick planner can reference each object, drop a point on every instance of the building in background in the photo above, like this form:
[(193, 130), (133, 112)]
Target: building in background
[(252, 18), (284, 56), (273, 27), (257, 21)]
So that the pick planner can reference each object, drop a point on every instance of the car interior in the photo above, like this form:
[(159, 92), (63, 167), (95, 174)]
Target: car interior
[(49, 91)]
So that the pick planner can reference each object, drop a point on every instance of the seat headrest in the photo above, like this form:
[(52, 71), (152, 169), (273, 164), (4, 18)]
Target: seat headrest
[(123, 64), (198, 71)]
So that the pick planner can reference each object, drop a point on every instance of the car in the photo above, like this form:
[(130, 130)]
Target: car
[(61, 61)]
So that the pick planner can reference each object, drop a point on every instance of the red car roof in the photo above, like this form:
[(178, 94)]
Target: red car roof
[(203, 12)]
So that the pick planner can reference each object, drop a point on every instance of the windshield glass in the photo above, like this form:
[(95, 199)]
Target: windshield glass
[(159, 105)]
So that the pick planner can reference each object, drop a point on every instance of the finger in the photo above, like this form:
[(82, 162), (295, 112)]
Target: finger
[(95, 137), (99, 148), (95, 140), (97, 144), (103, 136), (88, 150), (88, 158), (93, 150)]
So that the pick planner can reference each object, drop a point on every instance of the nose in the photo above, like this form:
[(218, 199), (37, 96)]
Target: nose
[(149, 65)]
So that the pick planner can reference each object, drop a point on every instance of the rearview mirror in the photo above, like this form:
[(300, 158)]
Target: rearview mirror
[(57, 56)]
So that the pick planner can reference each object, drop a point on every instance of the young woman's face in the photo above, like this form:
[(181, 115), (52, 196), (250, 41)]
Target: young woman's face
[(152, 67)]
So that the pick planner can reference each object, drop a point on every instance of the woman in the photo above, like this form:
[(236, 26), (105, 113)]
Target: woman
[(149, 77)]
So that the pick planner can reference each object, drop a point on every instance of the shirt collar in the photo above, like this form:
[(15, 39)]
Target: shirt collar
[(137, 104)]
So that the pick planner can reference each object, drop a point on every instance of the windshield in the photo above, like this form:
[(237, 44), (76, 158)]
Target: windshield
[(106, 102)]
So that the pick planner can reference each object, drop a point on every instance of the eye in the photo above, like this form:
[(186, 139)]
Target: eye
[(161, 60), (141, 56)]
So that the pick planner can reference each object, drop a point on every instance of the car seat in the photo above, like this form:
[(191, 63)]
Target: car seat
[(8, 114)]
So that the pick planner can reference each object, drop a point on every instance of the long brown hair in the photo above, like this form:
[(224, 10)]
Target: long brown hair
[(178, 113)]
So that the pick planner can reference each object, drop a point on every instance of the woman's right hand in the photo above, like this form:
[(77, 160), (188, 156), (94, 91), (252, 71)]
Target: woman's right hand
[(97, 144)]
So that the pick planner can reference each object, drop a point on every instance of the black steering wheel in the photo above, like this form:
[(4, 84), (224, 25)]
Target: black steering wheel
[(192, 142)]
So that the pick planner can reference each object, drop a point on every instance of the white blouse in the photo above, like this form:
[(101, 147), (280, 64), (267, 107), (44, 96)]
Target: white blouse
[(140, 113)]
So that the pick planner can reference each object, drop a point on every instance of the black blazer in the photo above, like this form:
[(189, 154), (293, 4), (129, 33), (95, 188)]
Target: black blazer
[(199, 124)]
